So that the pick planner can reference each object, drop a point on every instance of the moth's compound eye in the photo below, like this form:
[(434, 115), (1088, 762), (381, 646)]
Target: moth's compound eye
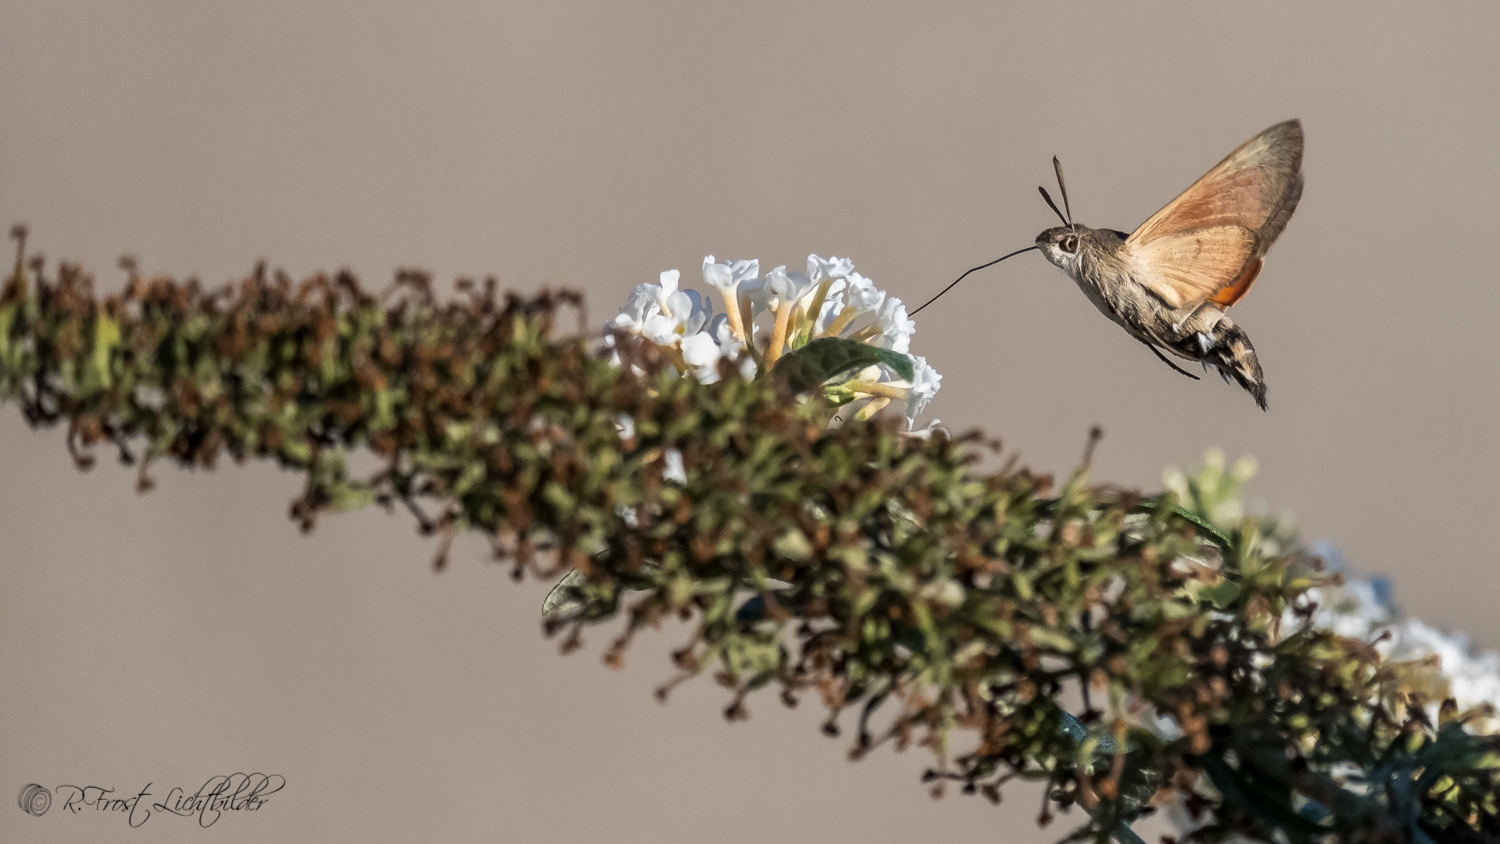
[(1069, 244)]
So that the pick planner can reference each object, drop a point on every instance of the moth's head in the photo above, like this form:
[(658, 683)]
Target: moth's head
[(1065, 245), (1060, 245)]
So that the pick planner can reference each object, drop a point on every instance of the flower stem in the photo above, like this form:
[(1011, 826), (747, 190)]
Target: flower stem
[(865, 333), (674, 354), (732, 310), (839, 323), (815, 307), (747, 312), (873, 388), (778, 333)]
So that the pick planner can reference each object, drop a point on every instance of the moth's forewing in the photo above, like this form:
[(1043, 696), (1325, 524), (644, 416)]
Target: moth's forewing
[(1208, 242)]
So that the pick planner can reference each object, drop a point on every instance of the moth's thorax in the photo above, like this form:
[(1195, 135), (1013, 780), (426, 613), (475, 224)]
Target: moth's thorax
[(1095, 266)]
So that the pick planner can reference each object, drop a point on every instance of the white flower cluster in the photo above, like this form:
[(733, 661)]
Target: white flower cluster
[(823, 302), (682, 320)]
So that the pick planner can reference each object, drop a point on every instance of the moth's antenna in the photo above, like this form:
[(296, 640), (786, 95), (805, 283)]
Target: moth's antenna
[(1057, 166), (1053, 206), (980, 267)]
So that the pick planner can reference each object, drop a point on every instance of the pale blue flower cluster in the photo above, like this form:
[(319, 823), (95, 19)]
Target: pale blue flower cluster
[(1362, 609)]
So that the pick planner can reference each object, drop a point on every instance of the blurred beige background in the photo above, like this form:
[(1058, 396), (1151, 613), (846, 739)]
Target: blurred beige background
[(170, 637)]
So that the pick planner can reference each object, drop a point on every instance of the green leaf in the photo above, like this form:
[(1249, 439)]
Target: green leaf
[(831, 357), (106, 338), (563, 597), (1223, 594), (1262, 800), (1105, 743), (793, 545), (749, 612), (7, 316), (1051, 639), (1205, 529), (347, 497)]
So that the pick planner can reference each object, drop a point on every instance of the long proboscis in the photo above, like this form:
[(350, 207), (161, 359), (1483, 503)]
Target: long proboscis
[(965, 275)]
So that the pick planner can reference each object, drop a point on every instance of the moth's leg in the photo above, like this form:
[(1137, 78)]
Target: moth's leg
[(1157, 352)]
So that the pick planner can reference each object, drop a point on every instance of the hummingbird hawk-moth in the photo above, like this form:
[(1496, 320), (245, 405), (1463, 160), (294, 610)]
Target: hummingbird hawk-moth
[(1168, 282)]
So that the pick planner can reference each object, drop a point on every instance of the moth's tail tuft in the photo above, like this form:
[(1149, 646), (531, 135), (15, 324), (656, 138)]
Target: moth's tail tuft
[(1235, 358)]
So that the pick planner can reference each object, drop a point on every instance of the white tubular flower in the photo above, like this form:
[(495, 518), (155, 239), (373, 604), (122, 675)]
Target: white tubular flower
[(727, 277), (700, 310), (661, 330), (746, 270), (755, 290), (783, 290), (667, 286), (730, 347), (640, 307), (819, 269), (894, 328), (863, 295), (828, 314), (782, 287), (719, 276), (925, 383), (926, 431), (857, 295), (703, 350), (609, 343), (647, 301), (702, 353), (684, 312), (723, 334), (827, 277)]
